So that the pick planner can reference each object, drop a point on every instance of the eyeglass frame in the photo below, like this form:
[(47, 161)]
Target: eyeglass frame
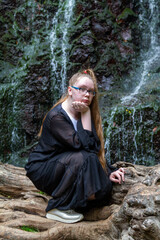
[(92, 93)]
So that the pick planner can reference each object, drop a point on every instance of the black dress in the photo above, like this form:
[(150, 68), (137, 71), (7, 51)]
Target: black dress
[(65, 164)]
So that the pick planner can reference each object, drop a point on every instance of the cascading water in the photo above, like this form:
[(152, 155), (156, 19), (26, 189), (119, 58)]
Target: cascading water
[(59, 44), (150, 58), (127, 127), (15, 89), (31, 37)]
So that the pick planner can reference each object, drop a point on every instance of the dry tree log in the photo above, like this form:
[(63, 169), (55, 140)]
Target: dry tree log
[(134, 212)]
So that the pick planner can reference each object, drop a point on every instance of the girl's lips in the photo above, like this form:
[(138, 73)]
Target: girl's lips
[(86, 101)]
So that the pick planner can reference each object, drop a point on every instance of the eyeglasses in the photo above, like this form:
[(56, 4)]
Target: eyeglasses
[(84, 91)]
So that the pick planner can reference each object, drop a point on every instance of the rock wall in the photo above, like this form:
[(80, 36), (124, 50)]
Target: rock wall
[(132, 134), (103, 35), (105, 38), (25, 77)]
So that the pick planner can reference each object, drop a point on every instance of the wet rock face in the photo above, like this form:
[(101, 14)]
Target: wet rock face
[(26, 87), (80, 55), (132, 135), (105, 23), (26, 67), (36, 96), (101, 30), (103, 36), (156, 138)]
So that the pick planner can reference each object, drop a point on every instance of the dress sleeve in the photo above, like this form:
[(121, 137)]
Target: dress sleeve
[(110, 168), (89, 139), (63, 131)]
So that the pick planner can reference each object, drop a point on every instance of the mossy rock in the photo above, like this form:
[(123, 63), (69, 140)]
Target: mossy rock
[(131, 134)]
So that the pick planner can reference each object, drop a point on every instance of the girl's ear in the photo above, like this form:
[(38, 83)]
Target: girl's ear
[(69, 91)]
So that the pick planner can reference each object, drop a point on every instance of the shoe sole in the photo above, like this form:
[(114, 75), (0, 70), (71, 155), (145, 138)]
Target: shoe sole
[(54, 217)]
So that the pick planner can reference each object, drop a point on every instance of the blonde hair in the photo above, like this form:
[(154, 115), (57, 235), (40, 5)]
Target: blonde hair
[(95, 113)]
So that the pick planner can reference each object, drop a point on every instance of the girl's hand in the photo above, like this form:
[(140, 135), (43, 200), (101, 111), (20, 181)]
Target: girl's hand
[(80, 106), (117, 176)]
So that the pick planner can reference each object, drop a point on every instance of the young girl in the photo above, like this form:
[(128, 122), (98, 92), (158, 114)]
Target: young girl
[(69, 163)]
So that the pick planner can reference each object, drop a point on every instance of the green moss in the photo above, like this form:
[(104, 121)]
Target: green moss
[(24, 47), (29, 229), (43, 193), (129, 132), (126, 12)]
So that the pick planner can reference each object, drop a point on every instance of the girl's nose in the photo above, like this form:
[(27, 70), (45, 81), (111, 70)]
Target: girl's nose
[(87, 93)]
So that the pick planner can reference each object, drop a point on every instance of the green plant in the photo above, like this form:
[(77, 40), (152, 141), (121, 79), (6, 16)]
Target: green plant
[(126, 12), (29, 229)]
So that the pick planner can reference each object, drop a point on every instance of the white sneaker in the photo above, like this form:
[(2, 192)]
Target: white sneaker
[(66, 216)]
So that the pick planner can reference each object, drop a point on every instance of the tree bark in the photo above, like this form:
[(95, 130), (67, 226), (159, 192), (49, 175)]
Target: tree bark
[(134, 212)]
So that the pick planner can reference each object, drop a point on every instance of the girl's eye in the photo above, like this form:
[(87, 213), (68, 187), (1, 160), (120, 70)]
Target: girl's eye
[(82, 89)]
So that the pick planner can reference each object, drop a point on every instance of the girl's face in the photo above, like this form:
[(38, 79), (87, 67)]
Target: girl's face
[(84, 83)]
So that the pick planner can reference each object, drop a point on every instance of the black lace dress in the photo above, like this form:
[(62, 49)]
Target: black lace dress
[(65, 163)]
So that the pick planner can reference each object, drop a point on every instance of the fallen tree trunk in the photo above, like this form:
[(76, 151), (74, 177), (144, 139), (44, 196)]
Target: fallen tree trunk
[(134, 212)]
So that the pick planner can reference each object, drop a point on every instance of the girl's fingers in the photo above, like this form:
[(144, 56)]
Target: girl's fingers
[(121, 175), (117, 176), (115, 180), (79, 106)]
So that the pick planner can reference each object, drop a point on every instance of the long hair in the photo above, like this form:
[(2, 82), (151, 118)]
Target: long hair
[(95, 113)]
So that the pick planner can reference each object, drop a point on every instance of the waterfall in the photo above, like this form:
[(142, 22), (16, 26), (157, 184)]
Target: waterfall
[(36, 36), (150, 57), (108, 134), (59, 44), (125, 134), (126, 124), (27, 32)]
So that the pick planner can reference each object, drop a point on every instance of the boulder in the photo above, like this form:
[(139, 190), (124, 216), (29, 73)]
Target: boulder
[(134, 211)]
